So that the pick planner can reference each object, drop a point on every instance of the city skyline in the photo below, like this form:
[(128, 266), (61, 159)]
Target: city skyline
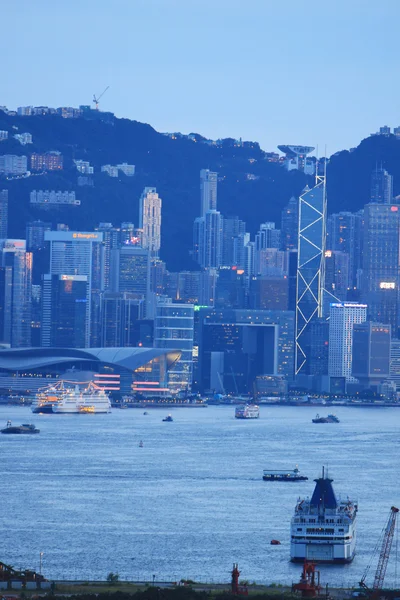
[(346, 107)]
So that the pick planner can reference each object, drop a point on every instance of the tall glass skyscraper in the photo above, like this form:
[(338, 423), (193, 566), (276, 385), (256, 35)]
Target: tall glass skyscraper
[(310, 267), (381, 186), (208, 190), (150, 220), (3, 214)]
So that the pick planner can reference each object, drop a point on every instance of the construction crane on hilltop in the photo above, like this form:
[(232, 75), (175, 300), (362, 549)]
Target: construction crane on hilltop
[(386, 540), (96, 100)]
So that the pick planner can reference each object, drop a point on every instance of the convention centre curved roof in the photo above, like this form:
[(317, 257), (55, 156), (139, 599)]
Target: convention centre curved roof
[(16, 359)]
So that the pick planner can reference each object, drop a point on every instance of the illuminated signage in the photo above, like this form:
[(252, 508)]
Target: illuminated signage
[(387, 285), (328, 253), (85, 236), (394, 208)]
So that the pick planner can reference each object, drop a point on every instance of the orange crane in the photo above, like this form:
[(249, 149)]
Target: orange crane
[(387, 539), (96, 100)]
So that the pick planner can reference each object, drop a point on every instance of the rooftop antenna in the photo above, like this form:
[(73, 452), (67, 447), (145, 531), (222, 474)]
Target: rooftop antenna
[(96, 100)]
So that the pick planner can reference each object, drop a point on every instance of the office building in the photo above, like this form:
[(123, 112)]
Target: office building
[(10, 164), (371, 353), (174, 328), (79, 253), (394, 371), (128, 233), (15, 293), (208, 191), (381, 263), (269, 293), (236, 346), (35, 234), (208, 286), (231, 288), (336, 277), (150, 220), (210, 246), (381, 186), (234, 239), (130, 270), (319, 352), (64, 314), (48, 161), (111, 240), (346, 232), (3, 214), (183, 286), (120, 312), (343, 317), (310, 268), (290, 225)]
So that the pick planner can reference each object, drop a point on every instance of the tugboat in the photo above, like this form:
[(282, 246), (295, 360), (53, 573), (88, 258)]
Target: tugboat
[(328, 419), (284, 475), (323, 529), (25, 428), (168, 419)]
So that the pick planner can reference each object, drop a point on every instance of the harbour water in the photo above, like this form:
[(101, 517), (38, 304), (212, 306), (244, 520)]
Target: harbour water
[(191, 501)]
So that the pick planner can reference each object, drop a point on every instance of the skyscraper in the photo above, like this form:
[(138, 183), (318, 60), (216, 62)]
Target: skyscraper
[(233, 242), (111, 239), (150, 220), (130, 270), (310, 267), (3, 214), (174, 328), (346, 235), (79, 253), (381, 186), (343, 316), (64, 314), (371, 352), (381, 263), (16, 292), (290, 225), (208, 191)]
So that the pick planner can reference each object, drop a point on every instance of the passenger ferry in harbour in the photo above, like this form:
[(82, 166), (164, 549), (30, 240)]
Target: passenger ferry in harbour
[(323, 529), (61, 398), (247, 411)]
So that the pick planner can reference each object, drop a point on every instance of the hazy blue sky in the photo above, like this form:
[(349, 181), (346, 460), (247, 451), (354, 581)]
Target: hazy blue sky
[(276, 71)]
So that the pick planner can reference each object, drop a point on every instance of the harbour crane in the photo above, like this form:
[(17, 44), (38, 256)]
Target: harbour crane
[(386, 545), (96, 100)]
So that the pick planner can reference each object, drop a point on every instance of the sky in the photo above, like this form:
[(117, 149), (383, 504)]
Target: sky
[(322, 73)]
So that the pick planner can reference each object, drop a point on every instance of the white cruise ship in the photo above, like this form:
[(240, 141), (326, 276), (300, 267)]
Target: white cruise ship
[(248, 411), (323, 529), (90, 400)]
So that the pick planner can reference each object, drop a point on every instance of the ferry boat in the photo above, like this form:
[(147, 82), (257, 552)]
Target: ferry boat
[(247, 411), (328, 419), (293, 475), (47, 397), (323, 529), (88, 401)]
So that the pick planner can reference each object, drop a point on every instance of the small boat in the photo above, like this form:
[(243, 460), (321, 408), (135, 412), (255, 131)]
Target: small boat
[(168, 419), (25, 428), (247, 411), (293, 475), (145, 412), (141, 444), (275, 543), (328, 419)]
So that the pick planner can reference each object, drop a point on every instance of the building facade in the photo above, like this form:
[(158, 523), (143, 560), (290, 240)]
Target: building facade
[(150, 220), (343, 317)]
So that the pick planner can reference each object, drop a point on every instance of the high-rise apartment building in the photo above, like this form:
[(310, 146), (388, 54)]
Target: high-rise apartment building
[(343, 317), (49, 161), (208, 191), (381, 263), (79, 253), (150, 220), (3, 214), (64, 314), (310, 268), (174, 328), (11, 164), (16, 292), (234, 239), (381, 186)]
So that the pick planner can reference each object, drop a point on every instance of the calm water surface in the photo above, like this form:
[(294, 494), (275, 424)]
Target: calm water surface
[(191, 501)]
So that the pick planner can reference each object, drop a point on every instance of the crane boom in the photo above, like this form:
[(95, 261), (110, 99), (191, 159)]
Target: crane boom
[(96, 100), (385, 550)]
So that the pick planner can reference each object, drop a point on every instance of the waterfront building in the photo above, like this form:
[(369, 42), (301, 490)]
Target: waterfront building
[(371, 353), (235, 346), (174, 328), (150, 220), (395, 362), (64, 314), (15, 293), (381, 186), (343, 316), (310, 267), (290, 225), (381, 263), (10, 164), (3, 214), (79, 253), (48, 161), (208, 191), (319, 353)]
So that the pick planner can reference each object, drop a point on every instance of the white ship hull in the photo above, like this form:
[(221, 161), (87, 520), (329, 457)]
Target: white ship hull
[(79, 404), (247, 412), (323, 550)]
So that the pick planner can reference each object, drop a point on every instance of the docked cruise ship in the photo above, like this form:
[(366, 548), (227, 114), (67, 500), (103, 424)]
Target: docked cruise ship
[(248, 411), (90, 400), (323, 529)]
